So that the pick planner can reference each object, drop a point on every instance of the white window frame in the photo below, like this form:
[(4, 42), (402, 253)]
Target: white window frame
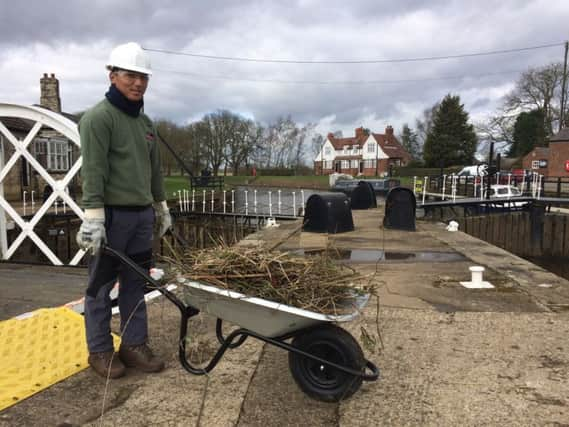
[(371, 147), (57, 155), (535, 164)]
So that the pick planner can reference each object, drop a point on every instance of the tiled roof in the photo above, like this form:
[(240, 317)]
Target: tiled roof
[(339, 143), (563, 135), (16, 123), (542, 152), (391, 146)]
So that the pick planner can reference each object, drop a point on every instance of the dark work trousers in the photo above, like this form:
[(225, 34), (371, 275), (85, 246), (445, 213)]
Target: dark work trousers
[(129, 230)]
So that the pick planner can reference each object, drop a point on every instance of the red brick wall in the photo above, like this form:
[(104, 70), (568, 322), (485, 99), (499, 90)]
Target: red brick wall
[(558, 155), (529, 158)]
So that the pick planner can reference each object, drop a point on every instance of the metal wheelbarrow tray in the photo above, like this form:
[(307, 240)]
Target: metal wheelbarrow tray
[(326, 362)]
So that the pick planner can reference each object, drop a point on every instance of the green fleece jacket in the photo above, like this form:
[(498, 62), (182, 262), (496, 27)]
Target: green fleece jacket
[(121, 159)]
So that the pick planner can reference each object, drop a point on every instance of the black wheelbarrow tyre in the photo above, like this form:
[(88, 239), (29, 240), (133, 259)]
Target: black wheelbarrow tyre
[(321, 382)]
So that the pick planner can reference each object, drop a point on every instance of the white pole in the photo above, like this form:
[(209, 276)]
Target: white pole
[(509, 179), (415, 185), (454, 180), (3, 228), (224, 201), (444, 185), (24, 201), (33, 202), (193, 200), (497, 177), (293, 203), (246, 203), (302, 197), (232, 201), (539, 186), (279, 198), (425, 188), (180, 200), (255, 200), (270, 205), (212, 200), (203, 201), (64, 204)]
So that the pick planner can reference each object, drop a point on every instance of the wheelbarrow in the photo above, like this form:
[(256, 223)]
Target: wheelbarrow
[(325, 361)]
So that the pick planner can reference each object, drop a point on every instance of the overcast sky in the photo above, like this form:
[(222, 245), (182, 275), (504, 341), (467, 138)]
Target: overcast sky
[(74, 38)]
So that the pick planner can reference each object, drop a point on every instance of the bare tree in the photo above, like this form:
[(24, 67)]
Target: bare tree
[(538, 89), (425, 124)]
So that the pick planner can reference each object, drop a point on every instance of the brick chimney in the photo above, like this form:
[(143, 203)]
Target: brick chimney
[(389, 133), (360, 133), (49, 93), (330, 136)]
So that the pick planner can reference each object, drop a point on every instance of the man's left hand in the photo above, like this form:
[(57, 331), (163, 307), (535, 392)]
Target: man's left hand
[(163, 219)]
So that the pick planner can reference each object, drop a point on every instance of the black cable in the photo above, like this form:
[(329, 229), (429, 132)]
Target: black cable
[(353, 61)]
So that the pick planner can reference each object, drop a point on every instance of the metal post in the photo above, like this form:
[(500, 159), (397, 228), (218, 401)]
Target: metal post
[(34, 202), (212, 200), (24, 202), (3, 228), (425, 188), (203, 201), (270, 205), (444, 185), (193, 200), (255, 200), (415, 185), (224, 201), (302, 197), (279, 201), (293, 203), (232, 201), (246, 203), (180, 200)]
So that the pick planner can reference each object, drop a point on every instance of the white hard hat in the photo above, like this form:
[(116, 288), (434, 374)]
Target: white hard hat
[(130, 56)]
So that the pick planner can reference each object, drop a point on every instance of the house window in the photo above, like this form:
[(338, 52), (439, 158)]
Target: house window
[(355, 164), (369, 164), (371, 147), (535, 164), (345, 164), (328, 164), (543, 163), (57, 155)]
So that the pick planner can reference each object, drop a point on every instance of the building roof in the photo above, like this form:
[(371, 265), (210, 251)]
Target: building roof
[(562, 135), (391, 146), (387, 141), (542, 152), (17, 123)]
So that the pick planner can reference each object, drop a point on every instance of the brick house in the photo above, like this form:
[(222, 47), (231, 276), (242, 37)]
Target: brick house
[(559, 154), (363, 154), (52, 150), (537, 160)]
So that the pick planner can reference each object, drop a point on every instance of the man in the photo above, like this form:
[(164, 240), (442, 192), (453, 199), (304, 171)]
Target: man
[(121, 182)]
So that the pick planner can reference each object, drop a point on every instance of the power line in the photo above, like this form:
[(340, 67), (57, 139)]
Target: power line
[(335, 82), (354, 61)]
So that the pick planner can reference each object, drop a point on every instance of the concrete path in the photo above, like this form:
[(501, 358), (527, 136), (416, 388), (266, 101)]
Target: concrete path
[(451, 356)]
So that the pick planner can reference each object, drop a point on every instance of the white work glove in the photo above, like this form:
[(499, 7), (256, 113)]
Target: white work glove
[(91, 234), (163, 219)]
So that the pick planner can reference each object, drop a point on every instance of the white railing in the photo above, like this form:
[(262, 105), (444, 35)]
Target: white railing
[(40, 118)]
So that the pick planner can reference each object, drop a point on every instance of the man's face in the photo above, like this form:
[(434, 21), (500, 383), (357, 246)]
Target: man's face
[(131, 84)]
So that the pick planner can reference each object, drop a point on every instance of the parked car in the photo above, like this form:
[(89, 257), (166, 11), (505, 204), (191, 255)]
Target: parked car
[(499, 191)]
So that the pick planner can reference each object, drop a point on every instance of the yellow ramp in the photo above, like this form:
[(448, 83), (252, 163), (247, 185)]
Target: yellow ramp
[(39, 350)]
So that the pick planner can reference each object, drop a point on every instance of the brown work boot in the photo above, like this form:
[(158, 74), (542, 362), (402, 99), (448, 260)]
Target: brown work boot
[(107, 364), (140, 357)]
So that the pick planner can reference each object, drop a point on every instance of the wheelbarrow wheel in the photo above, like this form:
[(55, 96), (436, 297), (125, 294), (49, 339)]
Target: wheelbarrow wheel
[(322, 382)]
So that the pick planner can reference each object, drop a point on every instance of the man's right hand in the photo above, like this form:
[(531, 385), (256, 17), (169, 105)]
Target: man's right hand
[(92, 234)]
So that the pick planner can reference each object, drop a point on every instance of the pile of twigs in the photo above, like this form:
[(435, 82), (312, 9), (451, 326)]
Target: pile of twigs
[(312, 283)]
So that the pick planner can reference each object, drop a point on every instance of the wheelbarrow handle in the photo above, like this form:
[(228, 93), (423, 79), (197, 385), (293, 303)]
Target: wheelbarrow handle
[(127, 261)]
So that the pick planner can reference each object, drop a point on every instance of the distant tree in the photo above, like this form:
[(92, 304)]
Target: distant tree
[(451, 140), (539, 89), (529, 132), (424, 124), (410, 142), (317, 143)]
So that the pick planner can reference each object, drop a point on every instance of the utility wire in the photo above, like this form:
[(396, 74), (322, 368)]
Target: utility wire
[(353, 61), (335, 82)]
